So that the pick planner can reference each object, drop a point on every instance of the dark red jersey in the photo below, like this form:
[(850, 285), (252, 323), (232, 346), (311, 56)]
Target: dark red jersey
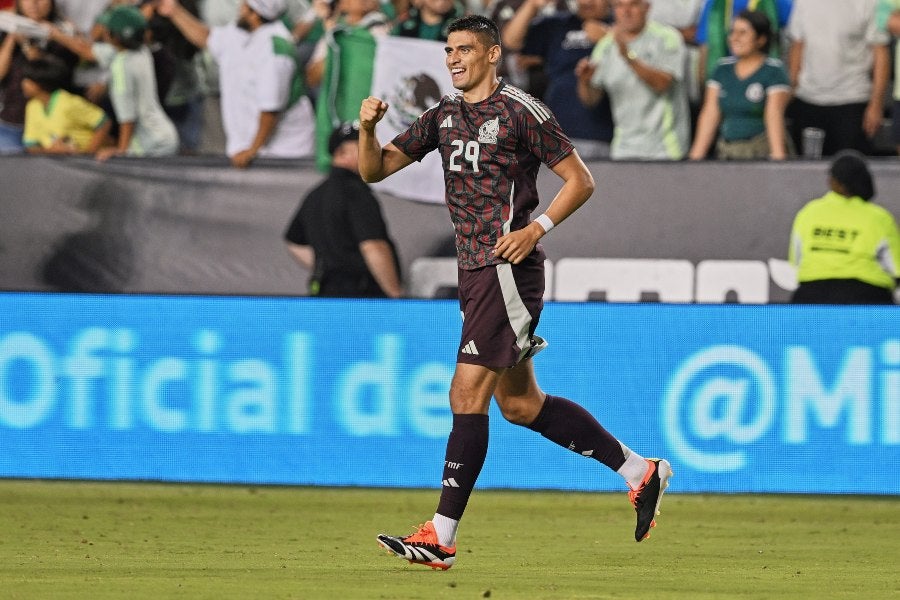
[(491, 151)]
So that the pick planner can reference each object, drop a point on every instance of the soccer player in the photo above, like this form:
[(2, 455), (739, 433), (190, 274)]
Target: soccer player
[(493, 138)]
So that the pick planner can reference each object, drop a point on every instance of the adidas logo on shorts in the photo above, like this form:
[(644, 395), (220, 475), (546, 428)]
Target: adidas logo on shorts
[(470, 348)]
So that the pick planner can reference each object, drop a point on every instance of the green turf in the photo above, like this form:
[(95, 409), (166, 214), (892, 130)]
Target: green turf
[(131, 541)]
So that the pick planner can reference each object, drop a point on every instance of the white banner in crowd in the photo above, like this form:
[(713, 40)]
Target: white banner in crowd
[(411, 76), (13, 23)]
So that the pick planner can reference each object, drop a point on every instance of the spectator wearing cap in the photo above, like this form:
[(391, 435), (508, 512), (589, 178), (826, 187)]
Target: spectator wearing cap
[(846, 249), (265, 109), (144, 128), (339, 235), (120, 52), (183, 97)]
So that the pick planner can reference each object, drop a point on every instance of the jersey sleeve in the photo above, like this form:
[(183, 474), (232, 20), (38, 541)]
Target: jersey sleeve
[(779, 80), (422, 136), (295, 233), (275, 77), (795, 30), (103, 54), (672, 52), (541, 133), (122, 92), (219, 39)]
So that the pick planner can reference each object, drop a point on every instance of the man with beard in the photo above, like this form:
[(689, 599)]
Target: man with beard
[(258, 76)]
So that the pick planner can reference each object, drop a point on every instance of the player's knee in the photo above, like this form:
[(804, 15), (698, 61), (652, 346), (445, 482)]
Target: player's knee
[(519, 410)]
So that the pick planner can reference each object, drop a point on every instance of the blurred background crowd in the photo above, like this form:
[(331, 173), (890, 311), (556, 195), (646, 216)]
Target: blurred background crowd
[(627, 79), (661, 80)]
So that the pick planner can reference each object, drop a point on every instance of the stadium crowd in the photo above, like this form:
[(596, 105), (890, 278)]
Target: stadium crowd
[(628, 79)]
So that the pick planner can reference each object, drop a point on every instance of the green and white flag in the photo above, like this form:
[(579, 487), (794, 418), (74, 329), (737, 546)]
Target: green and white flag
[(411, 76)]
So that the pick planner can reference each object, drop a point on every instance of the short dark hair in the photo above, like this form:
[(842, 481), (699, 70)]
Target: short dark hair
[(49, 72), (849, 168), (479, 25), (761, 25)]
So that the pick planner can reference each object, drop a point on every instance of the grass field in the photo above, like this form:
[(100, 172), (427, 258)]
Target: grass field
[(134, 541)]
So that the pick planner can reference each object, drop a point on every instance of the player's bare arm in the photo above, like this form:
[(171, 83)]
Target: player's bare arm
[(577, 188), (375, 162)]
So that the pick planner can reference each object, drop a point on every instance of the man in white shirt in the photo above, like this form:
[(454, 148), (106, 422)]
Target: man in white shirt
[(640, 64), (265, 111), (839, 64), (82, 13)]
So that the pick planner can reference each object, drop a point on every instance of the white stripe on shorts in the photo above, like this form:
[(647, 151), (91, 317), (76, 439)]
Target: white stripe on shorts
[(516, 312)]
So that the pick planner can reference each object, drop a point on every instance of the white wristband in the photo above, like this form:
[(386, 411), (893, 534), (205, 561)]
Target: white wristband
[(545, 222)]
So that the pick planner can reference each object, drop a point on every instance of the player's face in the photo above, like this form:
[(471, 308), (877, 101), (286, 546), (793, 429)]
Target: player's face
[(470, 62)]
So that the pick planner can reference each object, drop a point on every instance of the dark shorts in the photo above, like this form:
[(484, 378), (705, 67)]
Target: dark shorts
[(841, 291), (501, 306)]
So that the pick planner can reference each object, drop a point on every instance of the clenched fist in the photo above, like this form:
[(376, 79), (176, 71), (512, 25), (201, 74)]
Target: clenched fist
[(370, 112)]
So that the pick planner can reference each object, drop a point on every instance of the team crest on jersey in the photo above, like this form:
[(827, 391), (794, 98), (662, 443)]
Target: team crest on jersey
[(487, 133), (755, 92)]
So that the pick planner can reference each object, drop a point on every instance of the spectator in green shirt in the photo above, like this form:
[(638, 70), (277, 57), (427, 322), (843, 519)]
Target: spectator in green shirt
[(745, 98)]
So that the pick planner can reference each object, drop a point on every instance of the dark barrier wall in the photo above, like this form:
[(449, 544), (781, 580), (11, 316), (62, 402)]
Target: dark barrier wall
[(195, 225)]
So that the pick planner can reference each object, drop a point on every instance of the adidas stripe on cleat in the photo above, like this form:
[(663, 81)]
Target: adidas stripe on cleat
[(421, 548), (648, 495)]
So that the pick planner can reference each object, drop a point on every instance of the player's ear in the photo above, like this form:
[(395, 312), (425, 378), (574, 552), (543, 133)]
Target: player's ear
[(494, 53)]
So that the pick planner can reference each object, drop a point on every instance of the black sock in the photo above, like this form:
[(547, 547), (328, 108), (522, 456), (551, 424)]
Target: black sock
[(466, 449), (571, 426)]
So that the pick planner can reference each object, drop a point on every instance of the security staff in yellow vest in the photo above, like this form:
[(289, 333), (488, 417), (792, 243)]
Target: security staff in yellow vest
[(846, 249)]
